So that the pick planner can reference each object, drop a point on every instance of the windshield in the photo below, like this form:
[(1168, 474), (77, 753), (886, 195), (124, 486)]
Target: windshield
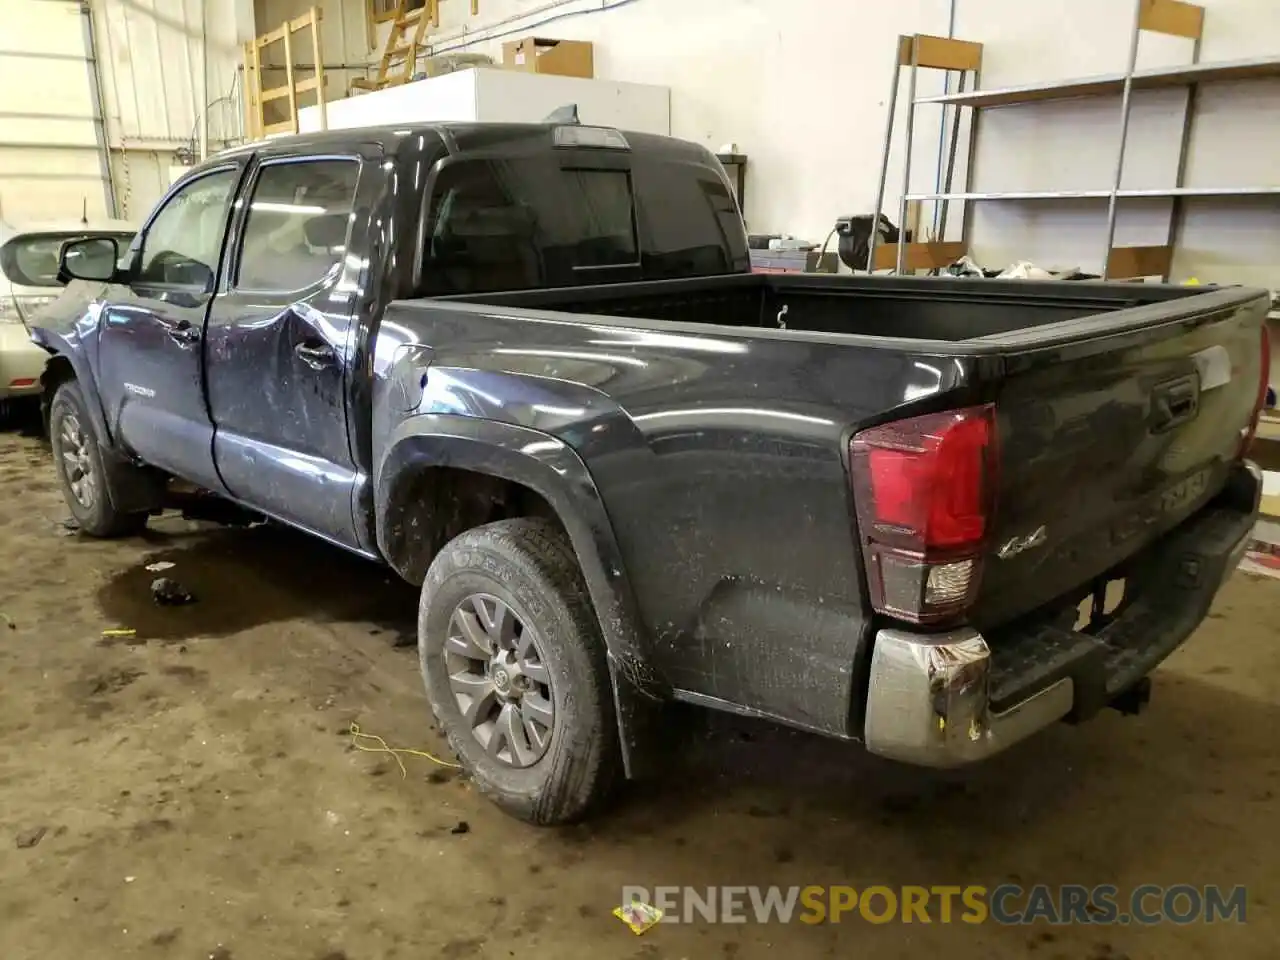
[(31, 259)]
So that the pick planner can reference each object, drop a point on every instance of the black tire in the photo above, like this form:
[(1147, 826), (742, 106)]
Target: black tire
[(530, 566), (72, 436)]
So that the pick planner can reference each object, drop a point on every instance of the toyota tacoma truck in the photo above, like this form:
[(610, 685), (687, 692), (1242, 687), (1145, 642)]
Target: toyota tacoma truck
[(528, 367)]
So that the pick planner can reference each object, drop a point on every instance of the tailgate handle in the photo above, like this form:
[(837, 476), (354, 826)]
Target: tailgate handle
[(1174, 403)]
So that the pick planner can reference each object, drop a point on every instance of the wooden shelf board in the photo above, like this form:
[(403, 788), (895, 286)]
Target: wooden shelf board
[(920, 256)]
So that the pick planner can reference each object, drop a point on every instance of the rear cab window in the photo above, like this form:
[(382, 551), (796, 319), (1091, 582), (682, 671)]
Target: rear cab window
[(542, 219)]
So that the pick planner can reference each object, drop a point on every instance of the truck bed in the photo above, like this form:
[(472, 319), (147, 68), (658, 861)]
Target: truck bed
[(720, 440), (931, 309)]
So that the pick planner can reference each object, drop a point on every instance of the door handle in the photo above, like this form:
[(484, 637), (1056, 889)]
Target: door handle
[(182, 332), (1174, 403), (317, 356)]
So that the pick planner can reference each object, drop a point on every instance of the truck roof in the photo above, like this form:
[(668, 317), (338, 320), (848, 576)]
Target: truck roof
[(393, 134)]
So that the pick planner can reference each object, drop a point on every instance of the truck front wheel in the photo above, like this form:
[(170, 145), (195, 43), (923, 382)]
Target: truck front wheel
[(515, 670), (82, 474)]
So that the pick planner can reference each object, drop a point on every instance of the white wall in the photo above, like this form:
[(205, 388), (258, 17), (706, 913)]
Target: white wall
[(1073, 144), (801, 87)]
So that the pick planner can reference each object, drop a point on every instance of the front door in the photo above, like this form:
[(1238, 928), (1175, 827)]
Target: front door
[(150, 365), (279, 344)]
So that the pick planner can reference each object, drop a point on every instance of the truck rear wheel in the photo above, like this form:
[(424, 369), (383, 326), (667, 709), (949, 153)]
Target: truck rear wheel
[(516, 673), (82, 474)]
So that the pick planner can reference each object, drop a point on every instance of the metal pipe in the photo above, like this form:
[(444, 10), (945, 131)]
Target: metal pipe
[(466, 38), (327, 66), (966, 218), (99, 109), (1126, 105), (21, 115), (41, 145), (33, 55), (203, 117), (940, 222), (901, 265), (1176, 208), (42, 175), (884, 160), (940, 210)]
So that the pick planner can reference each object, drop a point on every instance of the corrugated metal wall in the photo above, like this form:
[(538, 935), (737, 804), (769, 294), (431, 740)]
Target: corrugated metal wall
[(150, 54), (52, 158)]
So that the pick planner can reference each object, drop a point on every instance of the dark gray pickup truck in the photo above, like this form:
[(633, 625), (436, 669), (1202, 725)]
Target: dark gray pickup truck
[(528, 367)]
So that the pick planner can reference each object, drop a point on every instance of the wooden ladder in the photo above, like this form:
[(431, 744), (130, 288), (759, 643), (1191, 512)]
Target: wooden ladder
[(257, 98), (403, 43)]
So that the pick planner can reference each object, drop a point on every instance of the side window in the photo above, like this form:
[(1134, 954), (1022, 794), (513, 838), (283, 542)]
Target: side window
[(184, 239), (479, 237), (296, 230)]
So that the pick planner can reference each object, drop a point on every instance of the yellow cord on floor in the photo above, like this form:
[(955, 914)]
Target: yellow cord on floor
[(357, 736)]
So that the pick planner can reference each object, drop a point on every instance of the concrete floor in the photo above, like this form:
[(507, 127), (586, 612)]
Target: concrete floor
[(200, 799)]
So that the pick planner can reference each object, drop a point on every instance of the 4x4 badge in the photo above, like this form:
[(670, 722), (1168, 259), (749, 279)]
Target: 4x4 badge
[(1016, 545)]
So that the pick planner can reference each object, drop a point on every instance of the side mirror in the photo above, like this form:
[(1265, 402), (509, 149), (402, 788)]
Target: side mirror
[(92, 258)]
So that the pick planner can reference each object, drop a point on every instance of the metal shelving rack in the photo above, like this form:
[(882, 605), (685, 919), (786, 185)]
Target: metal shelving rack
[(916, 53), (1170, 17)]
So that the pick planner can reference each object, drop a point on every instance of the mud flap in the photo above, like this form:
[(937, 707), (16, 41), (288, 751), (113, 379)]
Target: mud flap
[(641, 724), (132, 489)]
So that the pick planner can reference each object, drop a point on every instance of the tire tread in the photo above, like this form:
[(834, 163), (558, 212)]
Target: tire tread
[(105, 521), (584, 774)]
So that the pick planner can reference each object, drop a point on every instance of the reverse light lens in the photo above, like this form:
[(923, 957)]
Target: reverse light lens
[(948, 582), (924, 490)]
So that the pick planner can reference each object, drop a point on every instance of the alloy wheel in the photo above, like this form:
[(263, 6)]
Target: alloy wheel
[(500, 680), (77, 463)]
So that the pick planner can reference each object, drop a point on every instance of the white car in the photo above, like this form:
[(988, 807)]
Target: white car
[(28, 281)]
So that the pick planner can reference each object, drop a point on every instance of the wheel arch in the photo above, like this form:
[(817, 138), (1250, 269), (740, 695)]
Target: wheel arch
[(68, 361), (130, 487), (546, 477)]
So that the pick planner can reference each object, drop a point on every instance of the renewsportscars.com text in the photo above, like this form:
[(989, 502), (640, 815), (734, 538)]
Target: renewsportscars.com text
[(1007, 904)]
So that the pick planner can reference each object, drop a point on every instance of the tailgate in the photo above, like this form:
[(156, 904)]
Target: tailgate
[(1109, 440)]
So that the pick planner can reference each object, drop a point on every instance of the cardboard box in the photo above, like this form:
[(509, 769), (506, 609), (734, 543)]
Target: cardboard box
[(565, 58)]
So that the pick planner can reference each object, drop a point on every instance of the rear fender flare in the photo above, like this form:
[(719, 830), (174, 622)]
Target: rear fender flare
[(552, 469)]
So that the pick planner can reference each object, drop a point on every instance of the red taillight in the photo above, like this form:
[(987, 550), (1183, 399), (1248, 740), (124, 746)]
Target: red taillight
[(924, 489), (1264, 383)]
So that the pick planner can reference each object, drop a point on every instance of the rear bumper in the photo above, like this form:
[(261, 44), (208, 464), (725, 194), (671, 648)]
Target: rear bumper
[(944, 700), (21, 362)]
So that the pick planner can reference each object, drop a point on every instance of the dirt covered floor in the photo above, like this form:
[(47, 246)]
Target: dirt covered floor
[(191, 791)]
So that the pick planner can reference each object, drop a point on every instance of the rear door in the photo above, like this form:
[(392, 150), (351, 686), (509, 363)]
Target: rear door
[(280, 340), (1107, 443)]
